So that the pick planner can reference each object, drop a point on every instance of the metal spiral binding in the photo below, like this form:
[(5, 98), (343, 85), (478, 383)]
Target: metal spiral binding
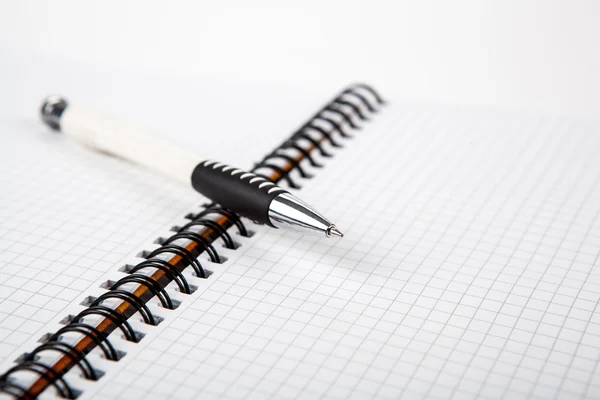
[(353, 103), (356, 101)]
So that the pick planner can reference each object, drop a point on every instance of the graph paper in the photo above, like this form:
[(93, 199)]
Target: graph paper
[(468, 270), (67, 217)]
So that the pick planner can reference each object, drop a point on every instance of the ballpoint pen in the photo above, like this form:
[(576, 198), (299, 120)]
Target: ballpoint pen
[(243, 192)]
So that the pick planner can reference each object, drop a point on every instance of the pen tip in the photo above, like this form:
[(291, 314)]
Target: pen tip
[(333, 231)]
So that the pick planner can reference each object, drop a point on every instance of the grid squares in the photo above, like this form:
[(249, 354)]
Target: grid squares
[(67, 217), (467, 271)]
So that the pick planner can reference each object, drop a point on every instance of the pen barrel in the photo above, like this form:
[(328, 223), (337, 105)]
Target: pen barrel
[(248, 194), (116, 137)]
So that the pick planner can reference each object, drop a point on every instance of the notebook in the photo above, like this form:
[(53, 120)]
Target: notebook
[(467, 269)]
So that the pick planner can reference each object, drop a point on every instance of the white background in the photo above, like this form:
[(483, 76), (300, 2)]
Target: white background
[(531, 55)]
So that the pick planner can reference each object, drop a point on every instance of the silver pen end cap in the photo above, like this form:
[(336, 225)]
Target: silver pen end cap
[(333, 231), (51, 111)]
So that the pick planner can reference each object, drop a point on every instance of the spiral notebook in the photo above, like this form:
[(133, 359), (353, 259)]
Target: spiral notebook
[(467, 270)]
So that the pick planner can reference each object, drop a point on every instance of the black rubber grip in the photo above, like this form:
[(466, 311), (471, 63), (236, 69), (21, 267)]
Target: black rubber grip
[(243, 192)]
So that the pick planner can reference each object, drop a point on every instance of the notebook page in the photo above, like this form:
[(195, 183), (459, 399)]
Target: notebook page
[(467, 271), (67, 216)]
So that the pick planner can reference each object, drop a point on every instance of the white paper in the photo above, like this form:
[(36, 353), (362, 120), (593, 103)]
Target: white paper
[(468, 270)]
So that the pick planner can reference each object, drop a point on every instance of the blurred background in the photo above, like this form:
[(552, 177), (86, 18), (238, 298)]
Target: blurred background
[(250, 57)]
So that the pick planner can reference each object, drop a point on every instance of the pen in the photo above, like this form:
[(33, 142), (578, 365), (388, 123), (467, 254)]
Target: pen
[(245, 193)]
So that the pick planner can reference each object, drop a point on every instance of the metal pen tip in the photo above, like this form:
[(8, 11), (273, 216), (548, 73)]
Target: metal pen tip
[(333, 231)]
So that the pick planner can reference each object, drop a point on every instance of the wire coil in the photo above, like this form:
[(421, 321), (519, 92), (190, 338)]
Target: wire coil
[(331, 124), (355, 102)]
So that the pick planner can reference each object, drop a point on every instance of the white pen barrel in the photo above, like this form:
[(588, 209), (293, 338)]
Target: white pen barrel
[(244, 193), (116, 137)]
